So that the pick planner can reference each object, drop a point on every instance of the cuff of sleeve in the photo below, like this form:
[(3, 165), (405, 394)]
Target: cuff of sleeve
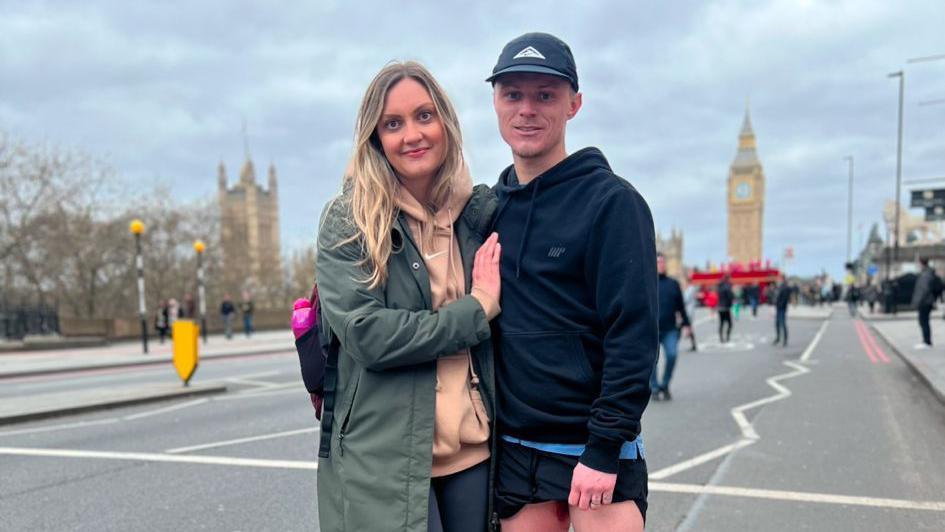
[(489, 305), (601, 454)]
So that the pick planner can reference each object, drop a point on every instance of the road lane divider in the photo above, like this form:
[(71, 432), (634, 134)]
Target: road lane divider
[(866, 346), (241, 440)]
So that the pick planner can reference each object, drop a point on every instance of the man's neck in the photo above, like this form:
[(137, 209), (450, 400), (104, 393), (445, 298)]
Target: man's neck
[(528, 168)]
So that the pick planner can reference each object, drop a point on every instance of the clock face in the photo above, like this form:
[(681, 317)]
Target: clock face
[(743, 190)]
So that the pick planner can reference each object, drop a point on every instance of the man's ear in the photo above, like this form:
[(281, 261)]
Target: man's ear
[(576, 102)]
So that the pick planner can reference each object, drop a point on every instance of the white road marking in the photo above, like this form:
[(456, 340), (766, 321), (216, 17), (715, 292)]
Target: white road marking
[(699, 460), (64, 426), (158, 457), (252, 382), (240, 440), (749, 435), (729, 491), (811, 346), (798, 496), (166, 409), (292, 387)]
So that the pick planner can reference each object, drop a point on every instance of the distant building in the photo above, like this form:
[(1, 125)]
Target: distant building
[(746, 199), (672, 250), (249, 227)]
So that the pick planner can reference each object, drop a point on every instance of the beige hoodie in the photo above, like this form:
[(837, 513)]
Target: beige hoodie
[(461, 432)]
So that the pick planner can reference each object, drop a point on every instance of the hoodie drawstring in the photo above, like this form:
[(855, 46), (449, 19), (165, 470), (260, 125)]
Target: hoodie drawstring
[(528, 223)]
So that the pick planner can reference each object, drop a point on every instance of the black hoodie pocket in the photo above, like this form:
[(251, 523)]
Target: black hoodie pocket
[(546, 372)]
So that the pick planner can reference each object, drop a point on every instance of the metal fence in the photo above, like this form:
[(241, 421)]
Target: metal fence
[(19, 321)]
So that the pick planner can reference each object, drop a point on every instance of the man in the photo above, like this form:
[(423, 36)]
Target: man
[(671, 304), (781, 299), (928, 287), (578, 331), (227, 310), (247, 308), (726, 299), (852, 292), (690, 297)]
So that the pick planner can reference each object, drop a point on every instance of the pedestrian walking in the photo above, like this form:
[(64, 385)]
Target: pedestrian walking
[(578, 330), (738, 299), (407, 298), (189, 307), (247, 308), (673, 320), (726, 300), (227, 311), (781, 300), (173, 314), (851, 291), (161, 322), (928, 288), (691, 298), (754, 295)]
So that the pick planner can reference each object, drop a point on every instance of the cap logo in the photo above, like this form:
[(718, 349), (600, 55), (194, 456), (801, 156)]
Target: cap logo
[(529, 52)]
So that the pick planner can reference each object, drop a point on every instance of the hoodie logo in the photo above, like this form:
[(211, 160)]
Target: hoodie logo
[(556, 252), (529, 52)]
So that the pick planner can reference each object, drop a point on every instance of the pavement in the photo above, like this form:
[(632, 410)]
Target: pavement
[(24, 365), (902, 334), (124, 354)]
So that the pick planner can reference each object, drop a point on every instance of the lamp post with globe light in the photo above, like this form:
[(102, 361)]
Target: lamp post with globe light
[(137, 229), (200, 247)]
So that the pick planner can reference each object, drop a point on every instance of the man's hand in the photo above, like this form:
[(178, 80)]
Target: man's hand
[(686, 331), (591, 488)]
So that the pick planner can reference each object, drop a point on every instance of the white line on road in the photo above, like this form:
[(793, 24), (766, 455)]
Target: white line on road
[(292, 387), (240, 440), (166, 409), (748, 431), (814, 342), (749, 435), (64, 426), (798, 496), (699, 460), (730, 491), (157, 457)]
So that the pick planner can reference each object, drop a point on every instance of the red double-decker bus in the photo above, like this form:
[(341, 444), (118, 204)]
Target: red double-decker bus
[(751, 274)]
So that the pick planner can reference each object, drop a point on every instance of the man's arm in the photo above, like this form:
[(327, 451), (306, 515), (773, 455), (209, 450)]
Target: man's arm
[(680, 305), (621, 273)]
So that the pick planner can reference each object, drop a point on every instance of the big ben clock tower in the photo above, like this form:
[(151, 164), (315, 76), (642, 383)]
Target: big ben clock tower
[(746, 199)]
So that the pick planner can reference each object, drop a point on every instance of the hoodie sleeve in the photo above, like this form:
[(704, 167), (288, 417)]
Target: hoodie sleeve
[(680, 305), (621, 274)]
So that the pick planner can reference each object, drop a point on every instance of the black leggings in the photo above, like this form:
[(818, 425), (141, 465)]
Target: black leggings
[(460, 502), (725, 316)]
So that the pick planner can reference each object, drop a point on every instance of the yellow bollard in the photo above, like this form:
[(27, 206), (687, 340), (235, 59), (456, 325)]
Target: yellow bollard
[(185, 334)]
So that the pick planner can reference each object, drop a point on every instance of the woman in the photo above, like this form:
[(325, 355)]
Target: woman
[(411, 431)]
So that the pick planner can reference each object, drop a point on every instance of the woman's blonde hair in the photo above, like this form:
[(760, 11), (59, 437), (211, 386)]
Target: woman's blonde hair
[(373, 179)]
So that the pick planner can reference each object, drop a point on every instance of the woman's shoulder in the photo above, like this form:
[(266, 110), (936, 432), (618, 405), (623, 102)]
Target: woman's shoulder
[(337, 221), (481, 208)]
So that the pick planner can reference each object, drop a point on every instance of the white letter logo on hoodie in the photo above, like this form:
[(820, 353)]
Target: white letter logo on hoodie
[(529, 52)]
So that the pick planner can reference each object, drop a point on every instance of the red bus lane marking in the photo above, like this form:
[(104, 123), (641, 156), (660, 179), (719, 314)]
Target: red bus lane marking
[(872, 340), (864, 343)]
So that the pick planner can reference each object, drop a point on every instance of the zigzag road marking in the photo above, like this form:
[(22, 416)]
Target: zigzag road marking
[(749, 435)]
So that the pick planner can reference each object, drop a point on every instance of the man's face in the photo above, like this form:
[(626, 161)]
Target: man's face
[(660, 264), (533, 110)]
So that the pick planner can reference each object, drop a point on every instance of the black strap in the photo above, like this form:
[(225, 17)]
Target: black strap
[(332, 346)]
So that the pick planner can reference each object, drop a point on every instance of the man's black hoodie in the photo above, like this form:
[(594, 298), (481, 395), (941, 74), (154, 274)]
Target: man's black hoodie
[(578, 328)]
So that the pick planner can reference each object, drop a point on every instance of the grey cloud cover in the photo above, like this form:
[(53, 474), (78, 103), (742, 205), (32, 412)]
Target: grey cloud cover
[(160, 89)]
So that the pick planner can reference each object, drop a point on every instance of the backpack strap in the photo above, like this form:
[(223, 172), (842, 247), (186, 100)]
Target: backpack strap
[(331, 345)]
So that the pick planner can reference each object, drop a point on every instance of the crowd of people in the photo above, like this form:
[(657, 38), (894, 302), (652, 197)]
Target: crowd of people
[(171, 310)]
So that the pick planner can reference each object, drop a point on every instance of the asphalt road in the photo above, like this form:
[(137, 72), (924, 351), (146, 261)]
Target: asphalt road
[(755, 439)]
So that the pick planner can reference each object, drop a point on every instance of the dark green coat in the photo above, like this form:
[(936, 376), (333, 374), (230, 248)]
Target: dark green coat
[(377, 477)]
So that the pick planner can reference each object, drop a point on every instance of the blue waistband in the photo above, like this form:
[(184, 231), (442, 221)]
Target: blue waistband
[(630, 450)]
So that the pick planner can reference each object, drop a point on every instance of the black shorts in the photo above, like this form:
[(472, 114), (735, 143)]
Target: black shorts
[(526, 476)]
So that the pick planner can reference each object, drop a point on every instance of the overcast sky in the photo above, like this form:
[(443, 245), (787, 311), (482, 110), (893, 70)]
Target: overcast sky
[(159, 89)]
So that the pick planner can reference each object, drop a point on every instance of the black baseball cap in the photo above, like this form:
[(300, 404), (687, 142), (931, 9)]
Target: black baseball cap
[(539, 53)]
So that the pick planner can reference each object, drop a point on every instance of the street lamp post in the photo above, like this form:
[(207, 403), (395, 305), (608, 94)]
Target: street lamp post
[(137, 229), (849, 159), (200, 247), (902, 81)]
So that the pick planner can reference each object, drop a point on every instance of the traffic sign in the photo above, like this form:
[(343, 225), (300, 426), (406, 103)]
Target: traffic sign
[(185, 334), (924, 199), (935, 214)]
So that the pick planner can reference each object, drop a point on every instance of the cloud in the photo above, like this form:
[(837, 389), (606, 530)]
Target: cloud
[(162, 90)]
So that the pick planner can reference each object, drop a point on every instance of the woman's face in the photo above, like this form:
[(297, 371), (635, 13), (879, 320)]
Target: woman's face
[(411, 132)]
